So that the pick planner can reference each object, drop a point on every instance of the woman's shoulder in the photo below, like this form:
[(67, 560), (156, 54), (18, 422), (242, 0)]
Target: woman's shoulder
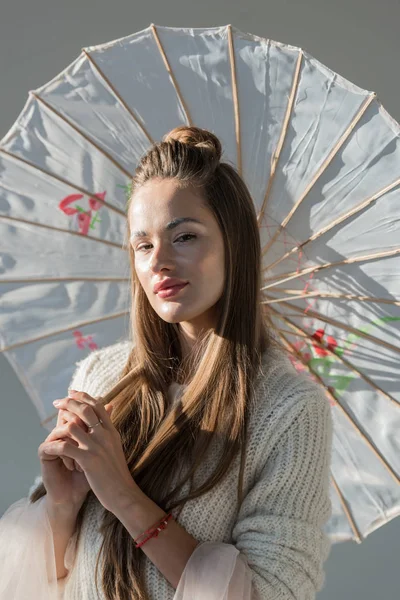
[(100, 370), (282, 392), (113, 352)]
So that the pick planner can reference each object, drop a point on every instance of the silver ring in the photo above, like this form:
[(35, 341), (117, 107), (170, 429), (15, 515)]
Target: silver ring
[(92, 426)]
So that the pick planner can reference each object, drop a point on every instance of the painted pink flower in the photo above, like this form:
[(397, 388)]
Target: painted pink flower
[(64, 204), (331, 343), (82, 341), (97, 201), (84, 219)]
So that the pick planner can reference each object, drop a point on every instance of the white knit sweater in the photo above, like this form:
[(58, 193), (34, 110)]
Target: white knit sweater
[(280, 526)]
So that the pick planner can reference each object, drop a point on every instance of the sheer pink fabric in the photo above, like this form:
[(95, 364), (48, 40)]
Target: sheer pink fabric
[(27, 560), (215, 571)]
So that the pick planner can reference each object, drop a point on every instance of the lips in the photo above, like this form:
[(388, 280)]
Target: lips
[(168, 292), (168, 283)]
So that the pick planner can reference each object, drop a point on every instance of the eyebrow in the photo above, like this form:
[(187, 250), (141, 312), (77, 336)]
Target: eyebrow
[(171, 225)]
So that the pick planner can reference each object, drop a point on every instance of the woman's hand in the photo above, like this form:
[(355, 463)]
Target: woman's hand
[(65, 485), (97, 451)]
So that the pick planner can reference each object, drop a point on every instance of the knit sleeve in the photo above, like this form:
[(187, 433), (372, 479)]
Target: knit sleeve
[(279, 544), (27, 559), (280, 526)]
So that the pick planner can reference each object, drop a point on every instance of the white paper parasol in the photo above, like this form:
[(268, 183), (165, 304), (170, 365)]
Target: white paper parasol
[(321, 158)]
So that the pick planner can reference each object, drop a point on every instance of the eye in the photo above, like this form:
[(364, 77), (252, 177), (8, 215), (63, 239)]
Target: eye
[(190, 235), (183, 235)]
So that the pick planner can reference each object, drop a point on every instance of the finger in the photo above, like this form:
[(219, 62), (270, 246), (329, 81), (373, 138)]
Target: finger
[(64, 447), (61, 419), (64, 416), (102, 410), (89, 409), (69, 417), (97, 405), (84, 410), (72, 431), (77, 467), (68, 462)]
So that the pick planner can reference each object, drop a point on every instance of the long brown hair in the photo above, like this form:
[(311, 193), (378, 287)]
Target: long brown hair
[(219, 374)]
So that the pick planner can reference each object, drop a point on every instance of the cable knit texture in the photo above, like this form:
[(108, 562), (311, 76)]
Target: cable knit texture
[(279, 526)]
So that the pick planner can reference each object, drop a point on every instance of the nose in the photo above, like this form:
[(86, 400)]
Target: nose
[(161, 258)]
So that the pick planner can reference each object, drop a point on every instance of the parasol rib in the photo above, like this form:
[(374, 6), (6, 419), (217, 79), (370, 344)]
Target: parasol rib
[(291, 333), (117, 96), (364, 436), (171, 74), (235, 99), (82, 134), (359, 208), (357, 534), (322, 168), (346, 509), (296, 296), (351, 367), (277, 153), (351, 259), (52, 279), (110, 395), (62, 180), (75, 326), (340, 325), (61, 230)]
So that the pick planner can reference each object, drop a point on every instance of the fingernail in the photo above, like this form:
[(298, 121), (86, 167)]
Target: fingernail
[(56, 402), (72, 391)]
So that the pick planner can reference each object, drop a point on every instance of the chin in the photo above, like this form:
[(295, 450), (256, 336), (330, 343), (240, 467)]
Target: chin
[(173, 317), (177, 313)]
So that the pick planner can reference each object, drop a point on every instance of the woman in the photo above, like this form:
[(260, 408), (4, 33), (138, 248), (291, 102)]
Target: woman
[(217, 444)]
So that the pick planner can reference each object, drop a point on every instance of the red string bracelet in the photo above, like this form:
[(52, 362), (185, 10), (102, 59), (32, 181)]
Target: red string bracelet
[(154, 530)]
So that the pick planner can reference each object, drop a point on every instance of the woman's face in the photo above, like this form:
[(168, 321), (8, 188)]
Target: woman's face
[(166, 246)]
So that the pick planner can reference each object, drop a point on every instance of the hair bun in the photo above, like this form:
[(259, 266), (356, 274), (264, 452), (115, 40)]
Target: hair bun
[(195, 136)]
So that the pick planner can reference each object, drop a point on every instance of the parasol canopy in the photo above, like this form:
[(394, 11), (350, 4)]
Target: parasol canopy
[(321, 158)]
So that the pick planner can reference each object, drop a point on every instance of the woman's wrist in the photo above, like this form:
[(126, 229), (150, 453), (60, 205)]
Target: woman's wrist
[(64, 512), (131, 498), (171, 549)]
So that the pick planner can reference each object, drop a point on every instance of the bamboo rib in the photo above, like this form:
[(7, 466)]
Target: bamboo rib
[(340, 325), (370, 444), (347, 261), (171, 74), (277, 153), (347, 364), (50, 418), (360, 207), (65, 329), (59, 279), (346, 509), (290, 332), (110, 395), (61, 230), (357, 534), (235, 95), (62, 180), (295, 295), (82, 134), (117, 95), (322, 168)]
